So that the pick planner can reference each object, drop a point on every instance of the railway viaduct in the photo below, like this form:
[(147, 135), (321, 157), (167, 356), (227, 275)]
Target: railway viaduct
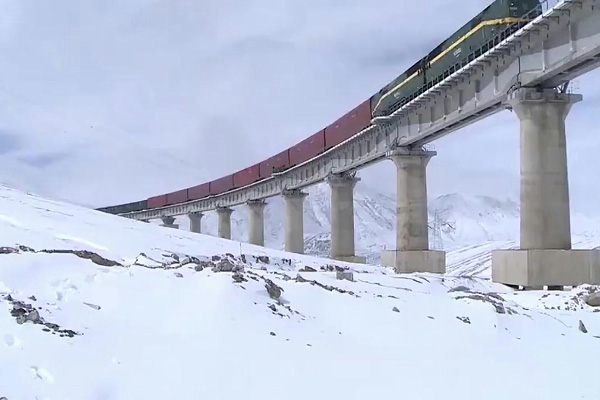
[(528, 72)]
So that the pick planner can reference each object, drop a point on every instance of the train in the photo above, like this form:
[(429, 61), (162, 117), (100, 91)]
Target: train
[(496, 22), (485, 31)]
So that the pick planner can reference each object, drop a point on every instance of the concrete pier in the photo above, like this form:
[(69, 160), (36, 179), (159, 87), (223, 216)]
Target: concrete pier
[(224, 229), (256, 222), (294, 220), (342, 218), (195, 222), (169, 222), (412, 252), (545, 258)]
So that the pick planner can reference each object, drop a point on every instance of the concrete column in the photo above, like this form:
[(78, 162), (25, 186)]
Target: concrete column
[(256, 222), (412, 252), (294, 220), (342, 217), (412, 232), (169, 222), (545, 258), (224, 214), (545, 214), (195, 222)]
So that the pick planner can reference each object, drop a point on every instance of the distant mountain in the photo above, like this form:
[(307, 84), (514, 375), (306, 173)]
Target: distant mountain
[(470, 225)]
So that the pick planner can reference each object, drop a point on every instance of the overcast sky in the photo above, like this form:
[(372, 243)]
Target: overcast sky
[(112, 101)]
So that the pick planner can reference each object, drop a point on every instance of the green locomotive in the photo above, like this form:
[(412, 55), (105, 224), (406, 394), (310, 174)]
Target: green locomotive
[(483, 32)]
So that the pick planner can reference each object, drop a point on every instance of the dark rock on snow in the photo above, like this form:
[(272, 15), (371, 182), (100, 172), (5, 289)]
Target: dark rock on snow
[(582, 327), (593, 300), (239, 278), (273, 290)]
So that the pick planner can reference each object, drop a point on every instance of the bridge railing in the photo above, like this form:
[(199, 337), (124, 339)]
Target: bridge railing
[(543, 7)]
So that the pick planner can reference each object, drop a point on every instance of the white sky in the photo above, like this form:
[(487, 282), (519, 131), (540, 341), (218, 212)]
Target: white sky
[(105, 102)]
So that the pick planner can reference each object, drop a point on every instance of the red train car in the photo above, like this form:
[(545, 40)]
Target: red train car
[(157, 201), (222, 185), (275, 164), (199, 192), (348, 125), (246, 176), (308, 148), (180, 196)]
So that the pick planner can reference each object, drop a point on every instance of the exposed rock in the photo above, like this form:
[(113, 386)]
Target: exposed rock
[(23, 316), (87, 255), (395, 309), (466, 320), (593, 300), (272, 307), (308, 269), (94, 306), (238, 268), (344, 275), (189, 260), (216, 258), (24, 313), (26, 249), (178, 274), (263, 259), (287, 278), (273, 334), (204, 264), (32, 298), (239, 278), (492, 298), (273, 290), (172, 255), (459, 289), (8, 250), (582, 327), (224, 265), (300, 279)]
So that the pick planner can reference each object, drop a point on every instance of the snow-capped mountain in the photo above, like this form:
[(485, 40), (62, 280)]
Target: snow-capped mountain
[(455, 221)]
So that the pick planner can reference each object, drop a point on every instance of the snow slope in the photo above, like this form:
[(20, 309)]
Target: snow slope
[(158, 327)]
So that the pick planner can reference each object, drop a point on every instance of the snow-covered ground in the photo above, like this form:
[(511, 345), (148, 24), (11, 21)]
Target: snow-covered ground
[(161, 323)]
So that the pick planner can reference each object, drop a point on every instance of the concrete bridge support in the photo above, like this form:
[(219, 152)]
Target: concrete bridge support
[(256, 222), (224, 229), (169, 222), (545, 257), (342, 218), (412, 252), (294, 220), (195, 222)]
